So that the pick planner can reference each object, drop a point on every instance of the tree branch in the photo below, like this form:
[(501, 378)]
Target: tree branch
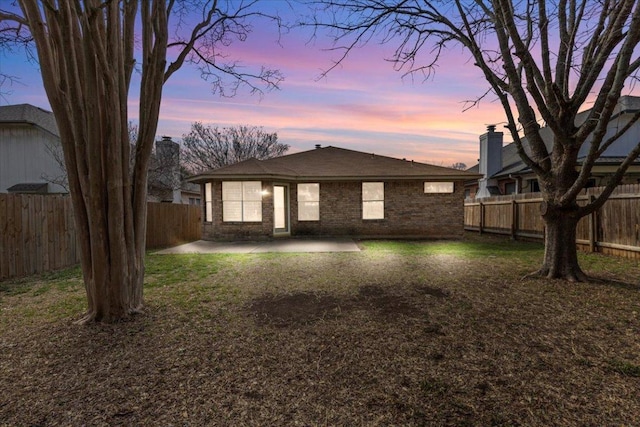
[(219, 28), (612, 184)]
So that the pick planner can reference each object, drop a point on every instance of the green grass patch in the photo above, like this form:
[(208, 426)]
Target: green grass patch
[(64, 275), (68, 307), (606, 263), (41, 290), (468, 248), (65, 279), (166, 270), (625, 368), (17, 286)]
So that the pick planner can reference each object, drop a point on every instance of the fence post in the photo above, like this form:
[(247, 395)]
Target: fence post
[(593, 229), (481, 226), (514, 219)]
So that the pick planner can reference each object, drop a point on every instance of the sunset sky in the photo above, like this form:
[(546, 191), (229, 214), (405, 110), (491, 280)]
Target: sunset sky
[(364, 104)]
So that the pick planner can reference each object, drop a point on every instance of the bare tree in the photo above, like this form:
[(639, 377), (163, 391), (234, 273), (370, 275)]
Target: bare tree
[(207, 147), (459, 166), (13, 37), (87, 53), (55, 151), (543, 60)]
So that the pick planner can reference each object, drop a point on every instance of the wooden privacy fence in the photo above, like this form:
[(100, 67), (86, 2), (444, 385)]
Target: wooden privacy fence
[(38, 234), (613, 229), (171, 224)]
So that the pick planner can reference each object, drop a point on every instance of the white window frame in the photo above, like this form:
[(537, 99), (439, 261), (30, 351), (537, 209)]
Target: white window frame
[(439, 187), (208, 202), (309, 202), (245, 201), (369, 202)]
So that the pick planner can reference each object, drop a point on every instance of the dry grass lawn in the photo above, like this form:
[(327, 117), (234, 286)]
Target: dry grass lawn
[(403, 333)]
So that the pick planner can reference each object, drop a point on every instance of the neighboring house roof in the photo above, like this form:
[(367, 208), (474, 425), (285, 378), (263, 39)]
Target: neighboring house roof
[(332, 163), (512, 164), (613, 160), (27, 113), (515, 166), (34, 187)]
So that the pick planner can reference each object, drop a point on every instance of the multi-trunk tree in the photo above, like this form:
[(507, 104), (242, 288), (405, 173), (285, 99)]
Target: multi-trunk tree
[(544, 61), (88, 51)]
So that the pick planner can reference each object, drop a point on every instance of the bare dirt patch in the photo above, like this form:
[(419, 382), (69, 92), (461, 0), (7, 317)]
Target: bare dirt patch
[(385, 304), (305, 308), (434, 292), (295, 309)]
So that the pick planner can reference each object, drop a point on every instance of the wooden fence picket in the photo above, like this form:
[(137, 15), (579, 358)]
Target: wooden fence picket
[(613, 229), (38, 234)]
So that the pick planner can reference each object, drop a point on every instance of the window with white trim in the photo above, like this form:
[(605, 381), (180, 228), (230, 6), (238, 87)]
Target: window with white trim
[(373, 200), (309, 202), (208, 197), (241, 201), (438, 187)]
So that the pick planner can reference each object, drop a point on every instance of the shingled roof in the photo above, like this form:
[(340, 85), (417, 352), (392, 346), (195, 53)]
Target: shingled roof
[(27, 113), (335, 164)]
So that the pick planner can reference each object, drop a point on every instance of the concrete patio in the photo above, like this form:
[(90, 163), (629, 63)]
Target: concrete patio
[(329, 244)]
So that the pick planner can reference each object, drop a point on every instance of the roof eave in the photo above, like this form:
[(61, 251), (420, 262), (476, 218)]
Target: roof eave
[(199, 179), (29, 123), (202, 178)]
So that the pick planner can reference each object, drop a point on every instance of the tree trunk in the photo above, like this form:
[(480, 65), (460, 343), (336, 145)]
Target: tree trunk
[(87, 83), (87, 53), (112, 264), (112, 293), (560, 252)]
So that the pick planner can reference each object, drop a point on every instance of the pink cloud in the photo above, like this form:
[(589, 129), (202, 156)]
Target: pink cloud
[(364, 104)]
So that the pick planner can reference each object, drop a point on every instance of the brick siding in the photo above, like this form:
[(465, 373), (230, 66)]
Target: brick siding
[(408, 211), (217, 229)]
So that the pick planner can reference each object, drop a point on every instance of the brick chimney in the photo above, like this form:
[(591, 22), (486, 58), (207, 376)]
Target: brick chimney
[(168, 163), (490, 160)]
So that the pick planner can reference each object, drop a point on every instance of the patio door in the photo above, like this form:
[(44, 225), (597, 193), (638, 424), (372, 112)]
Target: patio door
[(280, 209)]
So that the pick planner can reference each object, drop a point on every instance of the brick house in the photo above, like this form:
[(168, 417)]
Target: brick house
[(332, 191)]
